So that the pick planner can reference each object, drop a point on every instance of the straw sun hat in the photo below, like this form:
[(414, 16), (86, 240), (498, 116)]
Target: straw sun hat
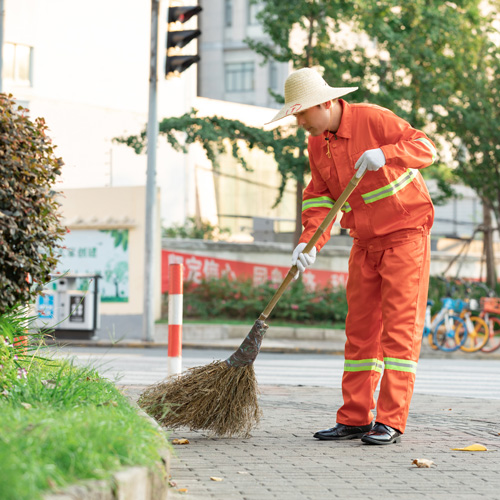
[(306, 88)]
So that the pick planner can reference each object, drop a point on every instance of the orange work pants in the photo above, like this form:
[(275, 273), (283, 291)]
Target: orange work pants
[(387, 296)]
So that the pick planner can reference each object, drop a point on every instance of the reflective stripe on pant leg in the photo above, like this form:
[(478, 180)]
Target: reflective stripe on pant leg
[(405, 279), (363, 356)]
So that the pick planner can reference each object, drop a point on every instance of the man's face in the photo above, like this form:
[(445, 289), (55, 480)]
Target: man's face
[(314, 120)]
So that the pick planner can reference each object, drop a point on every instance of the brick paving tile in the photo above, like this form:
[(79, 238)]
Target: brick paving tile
[(282, 460)]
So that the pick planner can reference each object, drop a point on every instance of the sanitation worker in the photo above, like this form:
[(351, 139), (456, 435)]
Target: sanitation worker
[(389, 215)]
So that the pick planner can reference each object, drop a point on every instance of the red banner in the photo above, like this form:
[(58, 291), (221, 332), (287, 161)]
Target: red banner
[(198, 267)]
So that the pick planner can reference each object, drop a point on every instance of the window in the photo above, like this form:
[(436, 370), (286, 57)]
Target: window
[(228, 13), (273, 76), (240, 77), (17, 62), (253, 9)]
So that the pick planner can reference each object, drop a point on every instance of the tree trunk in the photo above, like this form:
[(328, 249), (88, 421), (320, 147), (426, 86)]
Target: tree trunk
[(489, 252)]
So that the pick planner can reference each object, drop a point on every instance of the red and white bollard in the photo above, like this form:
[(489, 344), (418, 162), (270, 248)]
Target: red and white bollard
[(175, 289)]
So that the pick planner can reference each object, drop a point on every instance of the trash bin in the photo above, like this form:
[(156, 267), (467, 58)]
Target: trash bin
[(71, 308)]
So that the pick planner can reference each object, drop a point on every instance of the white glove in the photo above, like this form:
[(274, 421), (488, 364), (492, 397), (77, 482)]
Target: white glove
[(302, 260), (373, 159)]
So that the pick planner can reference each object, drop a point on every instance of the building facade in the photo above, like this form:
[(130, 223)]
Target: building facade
[(229, 70)]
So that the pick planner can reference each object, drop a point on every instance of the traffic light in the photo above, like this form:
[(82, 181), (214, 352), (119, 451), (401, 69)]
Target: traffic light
[(176, 40)]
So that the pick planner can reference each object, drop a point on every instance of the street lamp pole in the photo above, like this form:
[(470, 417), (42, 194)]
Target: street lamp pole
[(152, 140), (2, 24)]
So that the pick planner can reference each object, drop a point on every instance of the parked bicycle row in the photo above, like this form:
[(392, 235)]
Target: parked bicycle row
[(468, 319)]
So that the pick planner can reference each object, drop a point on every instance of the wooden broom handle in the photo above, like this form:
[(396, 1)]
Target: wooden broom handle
[(316, 236)]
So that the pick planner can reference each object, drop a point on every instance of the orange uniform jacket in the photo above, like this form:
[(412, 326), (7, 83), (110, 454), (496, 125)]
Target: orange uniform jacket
[(393, 199)]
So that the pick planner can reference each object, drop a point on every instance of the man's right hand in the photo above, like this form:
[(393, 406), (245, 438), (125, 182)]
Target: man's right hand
[(302, 260)]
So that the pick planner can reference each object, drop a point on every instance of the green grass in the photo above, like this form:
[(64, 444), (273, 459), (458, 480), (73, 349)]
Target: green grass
[(62, 424)]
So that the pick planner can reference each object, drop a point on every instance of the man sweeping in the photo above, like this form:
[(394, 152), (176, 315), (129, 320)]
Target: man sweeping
[(389, 216)]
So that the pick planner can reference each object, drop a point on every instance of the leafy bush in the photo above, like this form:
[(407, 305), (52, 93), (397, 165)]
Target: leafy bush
[(226, 299), (30, 229), (241, 300), (193, 229)]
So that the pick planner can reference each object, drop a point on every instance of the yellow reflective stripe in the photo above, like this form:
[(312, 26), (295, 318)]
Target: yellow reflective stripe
[(363, 365), (430, 146), (400, 365), (323, 201), (390, 189)]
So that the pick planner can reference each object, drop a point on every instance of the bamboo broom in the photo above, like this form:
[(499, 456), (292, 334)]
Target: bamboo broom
[(221, 397)]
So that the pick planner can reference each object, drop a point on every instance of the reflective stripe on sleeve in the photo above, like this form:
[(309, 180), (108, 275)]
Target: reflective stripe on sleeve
[(323, 201), (400, 365), (390, 189), (363, 365), (432, 149)]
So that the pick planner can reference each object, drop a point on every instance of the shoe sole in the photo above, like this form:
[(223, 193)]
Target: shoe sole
[(341, 438), (369, 440)]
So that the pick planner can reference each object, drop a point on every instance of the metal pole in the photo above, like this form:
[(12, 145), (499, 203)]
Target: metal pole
[(152, 139), (2, 17)]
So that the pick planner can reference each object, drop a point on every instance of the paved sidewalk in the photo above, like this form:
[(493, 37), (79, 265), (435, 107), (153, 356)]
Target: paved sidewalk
[(282, 460)]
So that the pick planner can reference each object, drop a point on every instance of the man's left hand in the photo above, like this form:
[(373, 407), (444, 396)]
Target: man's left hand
[(373, 159)]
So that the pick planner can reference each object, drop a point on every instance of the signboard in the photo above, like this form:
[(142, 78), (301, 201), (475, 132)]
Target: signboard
[(197, 268), (103, 252), (46, 305)]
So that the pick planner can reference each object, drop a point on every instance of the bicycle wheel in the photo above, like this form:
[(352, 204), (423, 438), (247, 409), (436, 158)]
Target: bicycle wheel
[(430, 337), (475, 338), (444, 333), (494, 338)]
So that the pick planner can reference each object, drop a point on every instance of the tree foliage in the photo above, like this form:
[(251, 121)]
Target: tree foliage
[(30, 228), (433, 63), (219, 135)]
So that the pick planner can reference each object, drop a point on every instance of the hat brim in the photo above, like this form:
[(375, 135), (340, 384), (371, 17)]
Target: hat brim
[(308, 101)]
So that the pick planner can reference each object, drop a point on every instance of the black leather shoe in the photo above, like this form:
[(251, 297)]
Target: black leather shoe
[(382, 434), (340, 431)]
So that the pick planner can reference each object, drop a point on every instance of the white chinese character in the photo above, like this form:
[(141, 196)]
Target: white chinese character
[(309, 281), (211, 269), (337, 280), (259, 275), (194, 266), (276, 276), (228, 272), (175, 259)]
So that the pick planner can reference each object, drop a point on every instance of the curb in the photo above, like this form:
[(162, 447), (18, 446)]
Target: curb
[(129, 483)]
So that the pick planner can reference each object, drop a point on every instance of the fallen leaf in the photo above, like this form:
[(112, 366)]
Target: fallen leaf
[(472, 447), (172, 484), (180, 441), (243, 472), (26, 405), (423, 462), (182, 490), (216, 479)]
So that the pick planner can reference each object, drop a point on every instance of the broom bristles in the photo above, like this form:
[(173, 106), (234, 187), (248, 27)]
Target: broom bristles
[(220, 397), (217, 398)]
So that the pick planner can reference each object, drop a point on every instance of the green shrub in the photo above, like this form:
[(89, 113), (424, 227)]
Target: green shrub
[(241, 300), (30, 229)]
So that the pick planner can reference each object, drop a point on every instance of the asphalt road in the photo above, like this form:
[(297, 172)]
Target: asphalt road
[(474, 378)]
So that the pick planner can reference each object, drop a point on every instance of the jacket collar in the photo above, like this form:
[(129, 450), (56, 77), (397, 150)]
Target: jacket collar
[(344, 130), (346, 120)]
